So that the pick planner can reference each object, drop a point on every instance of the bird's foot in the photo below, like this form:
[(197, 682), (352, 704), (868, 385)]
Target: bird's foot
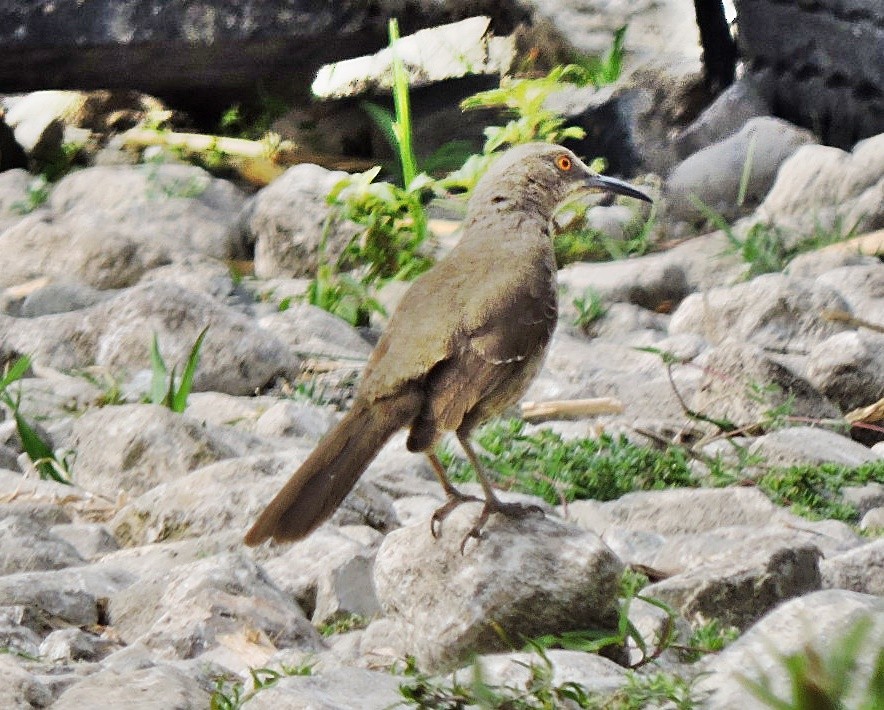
[(455, 498), (493, 505)]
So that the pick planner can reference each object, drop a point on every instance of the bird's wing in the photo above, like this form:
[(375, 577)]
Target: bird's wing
[(503, 309)]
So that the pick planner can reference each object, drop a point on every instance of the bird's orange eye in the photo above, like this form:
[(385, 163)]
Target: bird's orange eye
[(563, 163)]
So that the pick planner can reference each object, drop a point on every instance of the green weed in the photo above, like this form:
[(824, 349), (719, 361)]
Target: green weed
[(708, 637), (165, 389), (590, 308), (36, 195), (814, 490), (342, 624), (545, 465), (49, 464), (823, 680), (231, 695)]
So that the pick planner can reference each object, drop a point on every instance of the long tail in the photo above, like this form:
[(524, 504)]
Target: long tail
[(316, 489)]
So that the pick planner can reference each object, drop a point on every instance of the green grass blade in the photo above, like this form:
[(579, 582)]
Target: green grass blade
[(37, 449), (384, 120), (402, 127), (19, 367), (179, 396), (159, 380)]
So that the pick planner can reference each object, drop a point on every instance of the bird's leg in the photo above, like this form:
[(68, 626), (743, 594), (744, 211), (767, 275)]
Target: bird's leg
[(492, 503), (454, 496)]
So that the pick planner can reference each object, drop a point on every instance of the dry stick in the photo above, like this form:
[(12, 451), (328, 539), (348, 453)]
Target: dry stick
[(837, 315), (570, 408)]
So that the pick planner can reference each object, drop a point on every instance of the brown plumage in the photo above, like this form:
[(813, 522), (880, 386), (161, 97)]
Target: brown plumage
[(465, 342)]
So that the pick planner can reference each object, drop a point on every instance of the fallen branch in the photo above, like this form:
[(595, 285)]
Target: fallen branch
[(570, 408)]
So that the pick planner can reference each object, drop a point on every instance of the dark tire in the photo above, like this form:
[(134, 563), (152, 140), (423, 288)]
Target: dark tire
[(819, 63)]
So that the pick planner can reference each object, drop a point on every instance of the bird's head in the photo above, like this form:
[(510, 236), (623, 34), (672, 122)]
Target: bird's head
[(542, 175)]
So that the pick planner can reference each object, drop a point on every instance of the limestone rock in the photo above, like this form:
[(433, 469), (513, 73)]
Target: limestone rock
[(237, 357), (739, 591), (821, 187), (743, 385), (309, 568), (811, 445), (593, 672), (726, 115), (157, 687), (860, 569), (26, 546), (286, 221), (524, 578), (333, 689), (134, 447), (847, 368), (818, 619), (222, 609), (20, 689), (107, 226), (713, 175), (210, 499), (773, 310)]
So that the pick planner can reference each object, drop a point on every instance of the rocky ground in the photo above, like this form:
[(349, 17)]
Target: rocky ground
[(132, 588)]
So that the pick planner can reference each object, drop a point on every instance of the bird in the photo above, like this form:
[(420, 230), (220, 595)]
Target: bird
[(466, 340)]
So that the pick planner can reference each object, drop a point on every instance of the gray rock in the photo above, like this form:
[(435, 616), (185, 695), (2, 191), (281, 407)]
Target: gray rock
[(221, 609), (286, 221), (743, 385), (14, 637), (676, 554), (658, 281), (295, 419), (61, 598), (527, 577), (594, 673), (860, 569), (219, 409), (821, 187), (812, 445), (21, 690), (332, 689), (134, 447), (817, 620), (348, 589), (739, 591), (74, 645), (774, 310), (873, 519), (677, 511), (237, 357), (210, 499), (861, 285), (866, 497), (26, 546), (847, 368), (301, 568), (13, 194), (311, 331), (713, 174), (58, 298), (90, 540), (106, 226), (730, 111), (155, 688)]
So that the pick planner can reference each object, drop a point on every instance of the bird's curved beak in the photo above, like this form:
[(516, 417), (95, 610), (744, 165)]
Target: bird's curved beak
[(609, 184)]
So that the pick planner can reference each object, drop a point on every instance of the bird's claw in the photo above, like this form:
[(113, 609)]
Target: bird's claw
[(493, 505), (455, 498)]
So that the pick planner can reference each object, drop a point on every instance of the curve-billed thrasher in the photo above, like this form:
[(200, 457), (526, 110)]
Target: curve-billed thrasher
[(466, 340)]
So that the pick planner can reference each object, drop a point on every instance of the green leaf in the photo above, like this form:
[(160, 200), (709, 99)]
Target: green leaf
[(179, 398), (19, 367), (37, 449), (158, 382)]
